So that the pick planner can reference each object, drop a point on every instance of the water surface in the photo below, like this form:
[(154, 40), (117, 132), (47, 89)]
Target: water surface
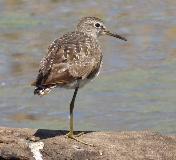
[(136, 89)]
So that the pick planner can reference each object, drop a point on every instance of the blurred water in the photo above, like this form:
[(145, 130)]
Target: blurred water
[(136, 89)]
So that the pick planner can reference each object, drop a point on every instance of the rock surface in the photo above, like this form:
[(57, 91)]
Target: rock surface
[(25, 144)]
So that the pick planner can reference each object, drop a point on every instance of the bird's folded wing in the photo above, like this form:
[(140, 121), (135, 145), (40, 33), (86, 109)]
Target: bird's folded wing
[(65, 63), (65, 73), (59, 75)]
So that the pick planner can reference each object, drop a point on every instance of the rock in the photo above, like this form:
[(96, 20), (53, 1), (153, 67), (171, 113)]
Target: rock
[(41, 144)]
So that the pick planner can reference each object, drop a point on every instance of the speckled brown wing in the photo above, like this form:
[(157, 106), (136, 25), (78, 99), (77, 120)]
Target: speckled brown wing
[(54, 67), (69, 58)]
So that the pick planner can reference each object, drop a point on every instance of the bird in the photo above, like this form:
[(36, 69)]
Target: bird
[(72, 61)]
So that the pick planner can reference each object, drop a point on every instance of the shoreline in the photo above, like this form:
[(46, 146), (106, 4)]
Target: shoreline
[(25, 143)]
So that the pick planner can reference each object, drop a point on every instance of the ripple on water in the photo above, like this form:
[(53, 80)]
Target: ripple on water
[(136, 88)]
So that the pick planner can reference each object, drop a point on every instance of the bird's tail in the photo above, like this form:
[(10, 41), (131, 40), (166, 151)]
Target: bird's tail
[(42, 90)]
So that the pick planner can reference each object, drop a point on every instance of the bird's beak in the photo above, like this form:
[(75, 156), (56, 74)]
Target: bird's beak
[(114, 35)]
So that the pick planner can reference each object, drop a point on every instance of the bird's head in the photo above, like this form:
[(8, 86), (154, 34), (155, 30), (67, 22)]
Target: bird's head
[(95, 27)]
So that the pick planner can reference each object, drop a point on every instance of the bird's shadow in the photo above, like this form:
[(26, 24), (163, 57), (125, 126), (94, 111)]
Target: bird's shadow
[(45, 133)]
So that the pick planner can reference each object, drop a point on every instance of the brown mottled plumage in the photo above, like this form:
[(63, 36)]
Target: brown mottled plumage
[(73, 60), (70, 59)]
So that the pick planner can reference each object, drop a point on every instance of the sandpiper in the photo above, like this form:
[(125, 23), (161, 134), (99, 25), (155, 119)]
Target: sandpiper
[(73, 60)]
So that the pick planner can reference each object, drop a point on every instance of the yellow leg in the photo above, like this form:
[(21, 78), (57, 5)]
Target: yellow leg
[(70, 134)]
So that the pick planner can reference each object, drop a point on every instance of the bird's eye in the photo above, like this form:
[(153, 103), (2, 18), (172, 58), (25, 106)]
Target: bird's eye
[(97, 25)]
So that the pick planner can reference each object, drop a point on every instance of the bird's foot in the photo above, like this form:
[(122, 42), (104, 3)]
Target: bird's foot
[(74, 137)]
